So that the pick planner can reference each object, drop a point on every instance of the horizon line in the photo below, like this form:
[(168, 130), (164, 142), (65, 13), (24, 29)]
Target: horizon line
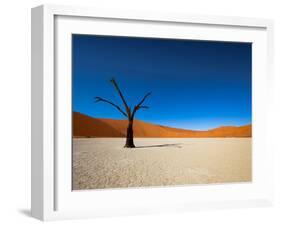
[(199, 130)]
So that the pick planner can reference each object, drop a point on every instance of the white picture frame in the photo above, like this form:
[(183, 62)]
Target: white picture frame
[(52, 197)]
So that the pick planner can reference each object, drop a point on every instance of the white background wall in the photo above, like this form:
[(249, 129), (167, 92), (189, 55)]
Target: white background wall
[(15, 111)]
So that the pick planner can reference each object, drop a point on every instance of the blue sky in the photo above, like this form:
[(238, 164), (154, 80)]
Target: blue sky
[(194, 84)]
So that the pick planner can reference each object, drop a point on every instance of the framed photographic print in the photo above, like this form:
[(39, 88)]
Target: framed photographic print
[(137, 112)]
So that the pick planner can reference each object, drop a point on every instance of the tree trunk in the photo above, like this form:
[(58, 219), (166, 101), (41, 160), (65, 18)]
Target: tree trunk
[(130, 135)]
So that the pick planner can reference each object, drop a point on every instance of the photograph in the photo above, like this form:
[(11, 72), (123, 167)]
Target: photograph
[(150, 112)]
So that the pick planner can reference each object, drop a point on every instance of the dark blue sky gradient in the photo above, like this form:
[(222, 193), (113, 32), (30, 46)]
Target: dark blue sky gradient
[(195, 84)]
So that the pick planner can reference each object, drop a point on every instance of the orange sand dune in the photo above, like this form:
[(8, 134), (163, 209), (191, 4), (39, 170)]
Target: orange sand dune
[(86, 126)]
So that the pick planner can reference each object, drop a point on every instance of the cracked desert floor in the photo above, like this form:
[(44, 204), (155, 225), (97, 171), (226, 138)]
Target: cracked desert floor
[(104, 163)]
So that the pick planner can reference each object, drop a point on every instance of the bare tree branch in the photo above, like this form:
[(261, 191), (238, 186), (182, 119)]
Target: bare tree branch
[(139, 105), (143, 99), (99, 99), (128, 110)]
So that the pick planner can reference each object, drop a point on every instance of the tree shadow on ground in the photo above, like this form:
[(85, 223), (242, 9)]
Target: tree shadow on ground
[(178, 145)]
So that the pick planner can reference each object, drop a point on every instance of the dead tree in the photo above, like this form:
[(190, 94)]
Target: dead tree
[(128, 113)]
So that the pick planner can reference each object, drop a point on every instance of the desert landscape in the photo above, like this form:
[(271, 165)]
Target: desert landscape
[(104, 163), (163, 155), (160, 112), (88, 127)]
